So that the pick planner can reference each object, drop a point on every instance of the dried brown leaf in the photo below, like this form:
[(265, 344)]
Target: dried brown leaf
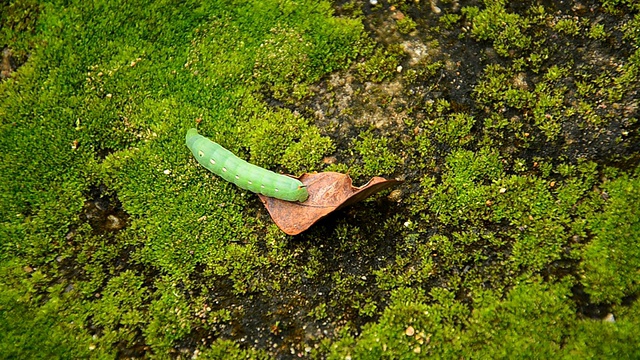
[(328, 192)]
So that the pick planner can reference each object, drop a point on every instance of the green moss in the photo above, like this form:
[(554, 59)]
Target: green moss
[(449, 20), (279, 137), (408, 327), (289, 59), (411, 269), (171, 318), (406, 25), (381, 65), (597, 338), (618, 5), (495, 328), (506, 30), (282, 63), (543, 106), (632, 29), (18, 22), (567, 26), (462, 195), (377, 157), (611, 258), (40, 325), (121, 309), (517, 321), (597, 32), (447, 127), (227, 349), (110, 105)]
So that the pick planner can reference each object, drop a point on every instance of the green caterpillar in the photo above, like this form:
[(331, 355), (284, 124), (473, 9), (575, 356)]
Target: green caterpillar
[(223, 163)]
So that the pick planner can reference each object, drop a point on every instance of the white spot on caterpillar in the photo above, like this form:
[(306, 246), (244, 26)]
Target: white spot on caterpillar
[(224, 169), (276, 189), (212, 161), (200, 153), (237, 177), (250, 182), (262, 186)]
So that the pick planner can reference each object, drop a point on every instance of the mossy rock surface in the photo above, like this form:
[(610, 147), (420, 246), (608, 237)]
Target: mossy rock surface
[(514, 126)]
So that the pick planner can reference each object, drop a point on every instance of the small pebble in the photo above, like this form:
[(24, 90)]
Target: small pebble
[(70, 235), (101, 204), (395, 195), (114, 223), (398, 15), (410, 331), (329, 160), (373, 2), (610, 318)]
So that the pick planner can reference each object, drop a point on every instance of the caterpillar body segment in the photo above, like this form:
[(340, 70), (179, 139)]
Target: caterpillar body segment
[(225, 164)]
